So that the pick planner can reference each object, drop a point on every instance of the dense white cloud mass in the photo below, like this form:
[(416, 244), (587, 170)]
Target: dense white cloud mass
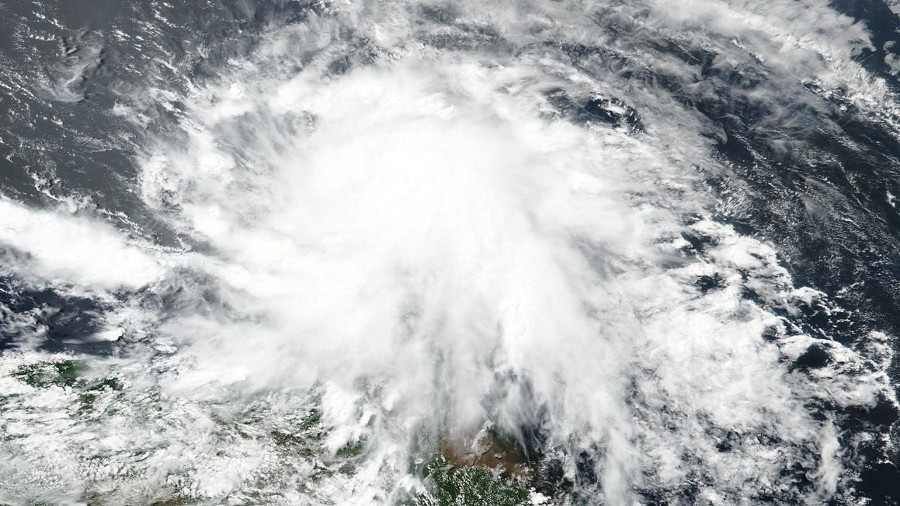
[(424, 241)]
